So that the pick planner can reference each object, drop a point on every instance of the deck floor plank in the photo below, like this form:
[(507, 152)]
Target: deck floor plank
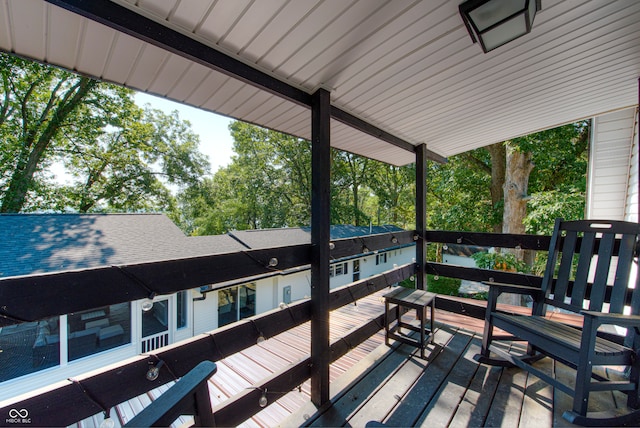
[(507, 403), (445, 401), (341, 410), (390, 393), (562, 401), (403, 404), (474, 407), (419, 396), (537, 407)]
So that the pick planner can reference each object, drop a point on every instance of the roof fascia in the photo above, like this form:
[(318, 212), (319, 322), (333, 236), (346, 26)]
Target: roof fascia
[(133, 24)]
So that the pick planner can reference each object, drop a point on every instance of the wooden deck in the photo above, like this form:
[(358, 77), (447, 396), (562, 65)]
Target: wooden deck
[(448, 388), (392, 385)]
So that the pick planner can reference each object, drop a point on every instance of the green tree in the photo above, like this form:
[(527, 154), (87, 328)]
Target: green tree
[(129, 167), (267, 184), (349, 178), (394, 188), (458, 196), (118, 156), (468, 193), (558, 181), (39, 103)]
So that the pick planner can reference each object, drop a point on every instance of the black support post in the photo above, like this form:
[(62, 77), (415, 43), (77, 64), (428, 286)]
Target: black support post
[(320, 222), (421, 215)]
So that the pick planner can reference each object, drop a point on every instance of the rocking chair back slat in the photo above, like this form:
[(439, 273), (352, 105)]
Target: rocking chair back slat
[(578, 293), (623, 273), (547, 279), (603, 264), (588, 253), (566, 265)]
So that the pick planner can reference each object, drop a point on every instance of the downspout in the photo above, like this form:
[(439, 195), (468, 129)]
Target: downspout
[(203, 296), (590, 167)]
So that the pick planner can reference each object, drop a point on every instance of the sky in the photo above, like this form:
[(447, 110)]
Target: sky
[(213, 129)]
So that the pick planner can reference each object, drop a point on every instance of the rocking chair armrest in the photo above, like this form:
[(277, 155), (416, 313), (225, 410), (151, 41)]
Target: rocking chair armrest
[(513, 288), (615, 319)]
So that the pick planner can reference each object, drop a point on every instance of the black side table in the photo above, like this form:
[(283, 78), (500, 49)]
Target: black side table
[(411, 299)]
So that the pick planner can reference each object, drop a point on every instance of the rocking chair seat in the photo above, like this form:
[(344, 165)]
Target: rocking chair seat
[(561, 340)]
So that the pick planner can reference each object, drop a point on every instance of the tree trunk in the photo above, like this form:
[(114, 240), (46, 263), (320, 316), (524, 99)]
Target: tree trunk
[(519, 165), (518, 168), (498, 154), (356, 208)]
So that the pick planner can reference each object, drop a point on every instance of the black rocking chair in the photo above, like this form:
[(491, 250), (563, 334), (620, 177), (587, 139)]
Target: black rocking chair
[(592, 279)]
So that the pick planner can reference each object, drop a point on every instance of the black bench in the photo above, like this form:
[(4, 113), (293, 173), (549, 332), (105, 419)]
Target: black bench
[(587, 274)]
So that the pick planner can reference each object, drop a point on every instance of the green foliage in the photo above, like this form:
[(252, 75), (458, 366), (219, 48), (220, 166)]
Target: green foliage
[(120, 157), (500, 261), (545, 207), (268, 184), (458, 194), (394, 190), (443, 285), (116, 156), (349, 173), (459, 191), (560, 156), (408, 283)]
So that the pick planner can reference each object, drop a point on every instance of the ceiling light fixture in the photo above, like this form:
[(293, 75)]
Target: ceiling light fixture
[(493, 23)]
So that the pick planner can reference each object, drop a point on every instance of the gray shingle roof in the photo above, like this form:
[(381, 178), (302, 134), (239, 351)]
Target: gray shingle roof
[(265, 238), (39, 243)]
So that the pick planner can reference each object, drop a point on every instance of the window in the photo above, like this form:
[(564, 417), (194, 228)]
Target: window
[(29, 347), (381, 258), (156, 320), (356, 270), (338, 269), (247, 299), (97, 330), (181, 309), (236, 303)]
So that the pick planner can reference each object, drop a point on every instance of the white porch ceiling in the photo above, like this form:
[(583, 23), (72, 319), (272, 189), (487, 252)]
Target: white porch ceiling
[(405, 66)]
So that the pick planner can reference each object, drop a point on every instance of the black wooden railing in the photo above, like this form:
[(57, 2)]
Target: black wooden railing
[(189, 396), (73, 401)]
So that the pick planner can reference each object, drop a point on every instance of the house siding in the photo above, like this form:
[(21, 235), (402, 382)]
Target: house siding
[(612, 173)]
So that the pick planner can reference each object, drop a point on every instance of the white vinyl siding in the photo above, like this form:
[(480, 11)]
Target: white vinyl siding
[(611, 175)]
